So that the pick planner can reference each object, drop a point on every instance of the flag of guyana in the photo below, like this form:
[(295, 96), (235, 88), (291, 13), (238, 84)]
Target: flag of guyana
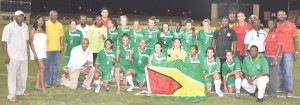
[(177, 81)]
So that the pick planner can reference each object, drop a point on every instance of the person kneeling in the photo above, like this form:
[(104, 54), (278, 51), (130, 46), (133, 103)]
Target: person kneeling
[(81, 60), (255, 69)]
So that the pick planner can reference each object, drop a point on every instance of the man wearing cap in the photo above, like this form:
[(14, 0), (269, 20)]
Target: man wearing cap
[(14, 38)]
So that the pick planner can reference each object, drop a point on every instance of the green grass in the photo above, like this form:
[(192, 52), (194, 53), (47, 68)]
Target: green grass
[(64, 96)]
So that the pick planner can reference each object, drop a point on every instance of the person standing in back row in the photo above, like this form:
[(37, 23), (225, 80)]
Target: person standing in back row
[(83, 27), (55, 46), (289, 53)]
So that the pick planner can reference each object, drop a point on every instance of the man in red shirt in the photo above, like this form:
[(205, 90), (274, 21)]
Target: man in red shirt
[(289, 53), (104, 14), (241, 28)]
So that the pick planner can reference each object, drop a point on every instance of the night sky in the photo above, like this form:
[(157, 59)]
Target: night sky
[(199, 9)]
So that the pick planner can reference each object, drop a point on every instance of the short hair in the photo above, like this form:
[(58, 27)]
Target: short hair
[(189, 20), (281, 11), (83, 15), (225, 17), (179, 22), (152, 18), (241, 12), (52, 11), (85, 39), (124, 16), (125, 35), (104, 8), (273, 20), (73, 20), (254, 46), (206, 21), (195, 46)]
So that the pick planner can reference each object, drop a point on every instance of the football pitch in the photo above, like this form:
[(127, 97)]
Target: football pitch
[(80, 96)]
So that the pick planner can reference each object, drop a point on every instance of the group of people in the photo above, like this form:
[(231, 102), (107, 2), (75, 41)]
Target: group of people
[(241, 54)]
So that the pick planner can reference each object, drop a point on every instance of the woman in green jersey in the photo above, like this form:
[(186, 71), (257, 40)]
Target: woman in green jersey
[(158, 57)]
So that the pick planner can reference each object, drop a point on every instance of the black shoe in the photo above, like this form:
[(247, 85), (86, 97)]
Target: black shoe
[(253, 94), (107, 89), (55, 85), (260, 100), (47, 85), (238, 95)]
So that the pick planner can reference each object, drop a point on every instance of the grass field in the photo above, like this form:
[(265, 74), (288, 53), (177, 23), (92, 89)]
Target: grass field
[(64, 96)]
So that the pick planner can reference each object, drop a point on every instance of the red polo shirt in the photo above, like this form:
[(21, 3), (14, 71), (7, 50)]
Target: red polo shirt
[(272, 40), (105, 22), (240, 35), (288, 31)]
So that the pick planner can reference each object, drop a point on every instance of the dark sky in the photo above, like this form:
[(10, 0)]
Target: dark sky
[(199, 8)]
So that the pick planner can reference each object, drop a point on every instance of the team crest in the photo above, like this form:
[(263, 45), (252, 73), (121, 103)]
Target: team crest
[(273, 36), (257, 66), (228, 34)]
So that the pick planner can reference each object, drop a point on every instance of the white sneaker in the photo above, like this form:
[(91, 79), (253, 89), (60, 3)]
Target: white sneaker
[(97, 90), (86, 87), (130, 88), (220, 93)]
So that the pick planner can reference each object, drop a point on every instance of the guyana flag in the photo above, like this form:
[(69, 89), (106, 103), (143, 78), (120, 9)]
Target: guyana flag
[(176, 81)]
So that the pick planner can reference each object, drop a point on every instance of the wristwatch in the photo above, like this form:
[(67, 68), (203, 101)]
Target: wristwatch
[(296, 52)]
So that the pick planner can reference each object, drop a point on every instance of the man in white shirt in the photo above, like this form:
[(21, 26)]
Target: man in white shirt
[(14, 39), (255, 37), (83, 27), (81, 61)]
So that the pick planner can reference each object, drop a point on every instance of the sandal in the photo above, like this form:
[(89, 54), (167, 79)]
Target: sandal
[(13, 99)]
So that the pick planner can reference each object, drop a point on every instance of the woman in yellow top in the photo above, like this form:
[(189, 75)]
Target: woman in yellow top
[(97, 35), (176, 52)]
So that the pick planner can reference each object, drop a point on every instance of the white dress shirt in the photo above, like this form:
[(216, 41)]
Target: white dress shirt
[(79, 57), (258, 39)]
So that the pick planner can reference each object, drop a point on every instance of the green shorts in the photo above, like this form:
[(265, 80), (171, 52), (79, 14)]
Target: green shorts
[(125, 68), (106, 74), (231, 81), (209, 80), (139, 74)]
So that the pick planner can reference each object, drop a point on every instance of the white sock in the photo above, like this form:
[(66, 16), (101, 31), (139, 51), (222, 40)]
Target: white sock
[(218, 85), (97, 82), (238, 85), (129, 79)]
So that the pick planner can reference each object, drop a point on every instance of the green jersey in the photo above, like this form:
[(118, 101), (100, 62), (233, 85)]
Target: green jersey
[(178, 34), (124, 56), (211, 65), (255, 66), (72, 39), (151, 36), (165, 39), (228, 67), (205, 40), (196, 60), (104, 59), (187, 40), (113, 35), (135, 37), (140, 59), (124, 30), (121, 32), (157, 60)]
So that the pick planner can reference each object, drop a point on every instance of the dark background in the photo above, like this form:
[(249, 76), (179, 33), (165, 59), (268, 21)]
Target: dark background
[(196, 9)]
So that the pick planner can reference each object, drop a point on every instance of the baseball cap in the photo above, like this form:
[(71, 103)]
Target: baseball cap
[(19, 12)]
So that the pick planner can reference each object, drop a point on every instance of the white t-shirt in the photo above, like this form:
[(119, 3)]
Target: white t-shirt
[(84, 30), (79, 57), (16, 38), (256, 38)]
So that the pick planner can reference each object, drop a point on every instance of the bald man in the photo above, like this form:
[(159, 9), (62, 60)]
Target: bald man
[(289, 53), (81, 61)]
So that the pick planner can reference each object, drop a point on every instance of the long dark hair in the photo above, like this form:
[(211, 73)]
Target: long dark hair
[(275, 22), (189, 20), (158, 44), (35, 23), (196, 47), (114, 22), (110, 42), (162, 26)]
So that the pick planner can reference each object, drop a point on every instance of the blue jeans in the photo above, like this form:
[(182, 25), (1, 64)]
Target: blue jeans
[(53, 58), (285, 72)]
